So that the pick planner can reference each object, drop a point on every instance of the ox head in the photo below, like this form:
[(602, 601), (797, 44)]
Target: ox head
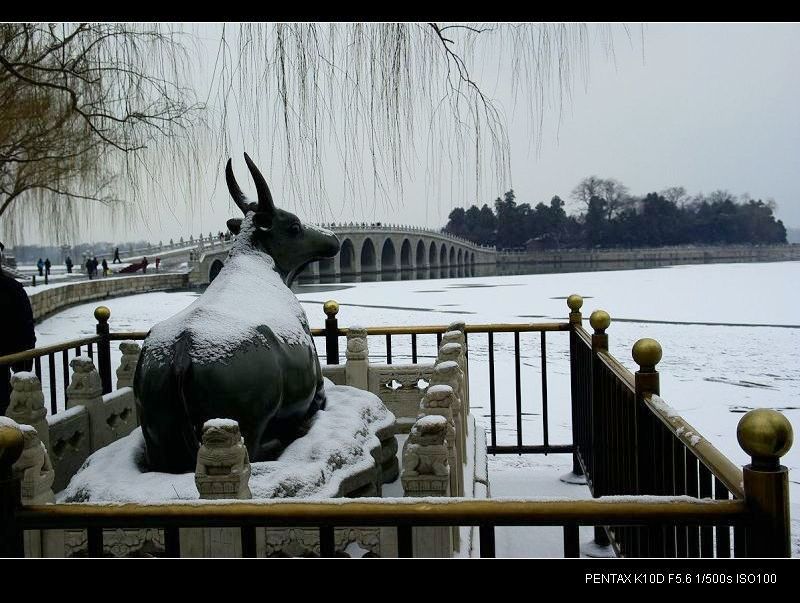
[(292, 244)]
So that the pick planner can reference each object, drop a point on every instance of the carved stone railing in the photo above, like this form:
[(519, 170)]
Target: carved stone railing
[(91, 420)]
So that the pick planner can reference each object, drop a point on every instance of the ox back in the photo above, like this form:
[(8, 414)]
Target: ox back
[(175, 399)]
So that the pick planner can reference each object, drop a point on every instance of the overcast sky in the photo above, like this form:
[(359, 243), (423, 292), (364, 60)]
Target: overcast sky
[(704, 106)]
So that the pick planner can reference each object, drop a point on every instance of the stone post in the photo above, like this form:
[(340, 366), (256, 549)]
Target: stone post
[(222, 472), (223, 465), (455, 352), (127, 367), (357, 355), (426, 472), (460, 327), (85, 389), (26, 406), (34, 469), (438, 401), (449, 373)]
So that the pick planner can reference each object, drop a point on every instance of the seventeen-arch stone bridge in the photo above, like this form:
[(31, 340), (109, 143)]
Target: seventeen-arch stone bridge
[(373, 249)]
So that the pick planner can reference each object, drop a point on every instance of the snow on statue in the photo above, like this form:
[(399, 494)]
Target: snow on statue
[(243, 350)]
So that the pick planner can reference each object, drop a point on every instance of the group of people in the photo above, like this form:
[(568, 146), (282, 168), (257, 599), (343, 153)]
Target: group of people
[(44, 267), (92, 264), (145, 263)]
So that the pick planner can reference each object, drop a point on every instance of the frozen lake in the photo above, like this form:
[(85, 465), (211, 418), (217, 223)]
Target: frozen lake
[(729, 334)]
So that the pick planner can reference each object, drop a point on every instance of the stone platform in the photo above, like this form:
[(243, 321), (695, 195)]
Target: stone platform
[(349, 450)]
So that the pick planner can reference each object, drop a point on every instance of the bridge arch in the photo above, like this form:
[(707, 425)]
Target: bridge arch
[(443, 256), (460, 257), (368, 258), (433, 256), (406, 261), (216, 266), (452, 256), (388, 255), (347, 257), (420, 263)]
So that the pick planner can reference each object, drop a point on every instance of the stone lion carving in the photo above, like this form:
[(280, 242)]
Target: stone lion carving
[(223, 465), (34, 469), (127, 366), (425, 452), (357, 343), (26, 404), (85, 383)]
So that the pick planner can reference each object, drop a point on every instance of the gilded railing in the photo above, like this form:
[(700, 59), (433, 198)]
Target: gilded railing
[(628, 441)]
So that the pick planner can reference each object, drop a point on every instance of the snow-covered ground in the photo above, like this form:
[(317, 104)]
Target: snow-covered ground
[(729, 334)]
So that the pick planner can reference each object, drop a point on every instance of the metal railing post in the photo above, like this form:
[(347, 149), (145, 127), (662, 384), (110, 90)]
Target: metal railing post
[(331, 309), (102, 314), (574, 303), (766, 435), (11, 444), (601, 420), (647, 354)]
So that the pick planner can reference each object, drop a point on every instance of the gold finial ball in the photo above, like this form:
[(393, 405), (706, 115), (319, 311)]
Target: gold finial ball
[(102, 313), (600, 320), (646, 352), (765, 433), (574, 302), (331, 308), (11, 445)]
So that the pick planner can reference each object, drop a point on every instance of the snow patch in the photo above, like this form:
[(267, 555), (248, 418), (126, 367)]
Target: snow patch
[(337, 446), (220, 423)]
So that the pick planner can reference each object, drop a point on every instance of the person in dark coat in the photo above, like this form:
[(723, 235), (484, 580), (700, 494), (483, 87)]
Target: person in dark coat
[(40, 266), (16, 326), (68, 263), (89, 268), (105, 267), (47, 266), (144, 265), (116, 259)]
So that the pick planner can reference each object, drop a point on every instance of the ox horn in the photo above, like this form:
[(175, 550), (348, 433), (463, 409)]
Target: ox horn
[(237, 194), (265, 203)]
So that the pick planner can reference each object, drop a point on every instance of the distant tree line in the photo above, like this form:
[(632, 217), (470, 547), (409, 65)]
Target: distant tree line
[(608, 216)]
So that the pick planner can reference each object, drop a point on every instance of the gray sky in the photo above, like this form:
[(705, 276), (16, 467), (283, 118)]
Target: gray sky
[(704, 106)]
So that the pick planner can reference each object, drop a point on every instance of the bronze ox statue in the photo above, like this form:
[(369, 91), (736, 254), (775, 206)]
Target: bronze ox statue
[(243, 350)]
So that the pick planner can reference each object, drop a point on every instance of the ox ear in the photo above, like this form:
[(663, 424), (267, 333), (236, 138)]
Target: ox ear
[(234, 225)]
